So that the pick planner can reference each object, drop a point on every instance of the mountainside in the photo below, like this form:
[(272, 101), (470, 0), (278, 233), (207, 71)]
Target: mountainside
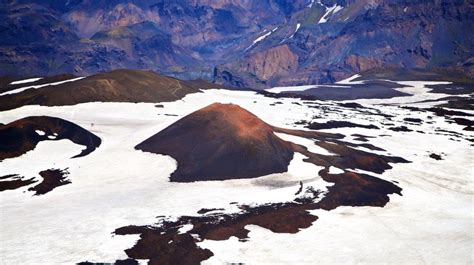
[(235, 42), (330, 41), (181, 38), (114, 86)]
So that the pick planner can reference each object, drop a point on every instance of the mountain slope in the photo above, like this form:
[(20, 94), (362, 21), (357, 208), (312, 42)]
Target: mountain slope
[(94, 36), (113, 86), (323, 47), (236, 42)]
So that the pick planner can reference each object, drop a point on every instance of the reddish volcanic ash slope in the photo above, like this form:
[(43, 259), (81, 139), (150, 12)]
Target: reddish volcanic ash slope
[(21, 136), (221, 141)]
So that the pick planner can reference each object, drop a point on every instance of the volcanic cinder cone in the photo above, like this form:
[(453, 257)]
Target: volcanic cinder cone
[(218, 142)]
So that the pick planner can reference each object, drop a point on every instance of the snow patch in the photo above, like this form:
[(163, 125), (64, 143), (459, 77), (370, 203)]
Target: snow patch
[(261, 38), (349, 81), (18, 90), (313, 148), (329, 11), (185, 228), (40, 132), (335, 170), (296, 30), (280, 89), (30, 80)]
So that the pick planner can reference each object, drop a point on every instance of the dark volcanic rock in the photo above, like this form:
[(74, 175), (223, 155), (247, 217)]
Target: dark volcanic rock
[(52, 178), (338, 124), (163, 244), (463, 122), (19, 137), (436, 156), (460, 103), (351, 105), (370, 89), (12, 182), (361, 138), (445, 112), (354, 189), (117, 262), (414, 120), (221, 141), (205, 210), (400, 129)]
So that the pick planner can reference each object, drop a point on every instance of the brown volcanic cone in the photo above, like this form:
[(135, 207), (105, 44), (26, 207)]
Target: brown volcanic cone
[(218, 142), (114, 86)]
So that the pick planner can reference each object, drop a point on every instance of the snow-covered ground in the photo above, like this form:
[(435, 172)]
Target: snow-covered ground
[(280, 89), (418, 90), (117, 186)]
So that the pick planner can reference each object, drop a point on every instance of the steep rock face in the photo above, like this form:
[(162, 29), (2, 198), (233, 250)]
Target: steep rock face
[(146, 46), (218, 142), (193, 35), (322, 41), (335, 39), (121, 15), (274, 61), (265, 66)]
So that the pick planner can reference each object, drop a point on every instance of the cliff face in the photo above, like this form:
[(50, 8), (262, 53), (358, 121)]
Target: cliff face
[(277, 60), (237, 42), (335, 40), (184, 38)]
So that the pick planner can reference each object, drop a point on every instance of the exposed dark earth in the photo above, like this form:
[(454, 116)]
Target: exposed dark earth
[(337, 124), (52, 178), (21, 136), (113, 86), (12, 182)]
